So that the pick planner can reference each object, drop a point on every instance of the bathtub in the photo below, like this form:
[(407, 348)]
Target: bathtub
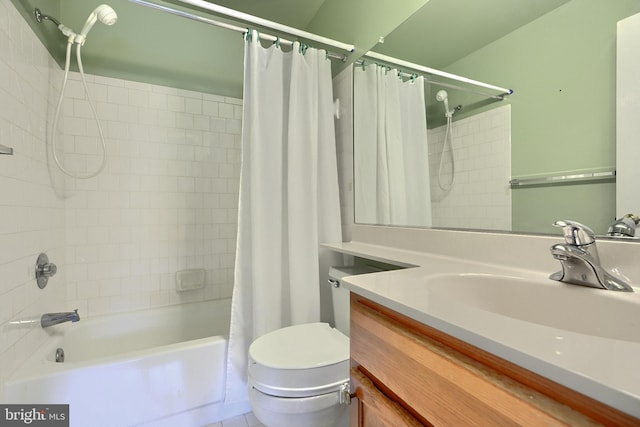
[(158, 367)]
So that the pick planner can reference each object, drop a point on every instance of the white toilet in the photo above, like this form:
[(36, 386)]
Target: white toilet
[(298, 375)]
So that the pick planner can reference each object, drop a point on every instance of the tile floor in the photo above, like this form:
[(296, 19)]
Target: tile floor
[(246, 420)]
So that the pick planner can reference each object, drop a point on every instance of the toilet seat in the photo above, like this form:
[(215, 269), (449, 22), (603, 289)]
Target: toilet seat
[(313, 411), (299, 361)]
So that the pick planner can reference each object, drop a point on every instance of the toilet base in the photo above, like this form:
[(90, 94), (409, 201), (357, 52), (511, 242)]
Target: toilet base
[(315, 411)]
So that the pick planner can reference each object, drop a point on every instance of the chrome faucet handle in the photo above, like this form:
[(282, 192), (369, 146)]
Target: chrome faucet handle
[(44, 270), (575, 233)]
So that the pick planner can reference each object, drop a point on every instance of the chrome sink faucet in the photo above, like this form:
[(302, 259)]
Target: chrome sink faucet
[(580, 260), (624, 227), (50, 319)]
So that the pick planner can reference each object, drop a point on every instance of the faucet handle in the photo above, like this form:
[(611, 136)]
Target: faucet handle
[(575, 233)]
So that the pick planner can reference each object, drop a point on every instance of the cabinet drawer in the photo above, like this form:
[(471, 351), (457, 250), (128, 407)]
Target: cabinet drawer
[(441, 386), (374, 408)]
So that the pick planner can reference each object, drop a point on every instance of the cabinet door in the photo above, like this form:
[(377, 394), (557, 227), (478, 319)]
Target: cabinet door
[(374, 408), (443, 386)]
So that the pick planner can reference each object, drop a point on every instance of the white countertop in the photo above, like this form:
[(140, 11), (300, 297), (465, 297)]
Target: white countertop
[(604, 369)]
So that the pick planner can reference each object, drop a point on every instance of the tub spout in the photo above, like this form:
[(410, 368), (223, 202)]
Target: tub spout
[(50, 319)]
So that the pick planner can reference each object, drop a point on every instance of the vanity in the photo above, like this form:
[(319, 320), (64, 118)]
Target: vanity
[(473, 332)]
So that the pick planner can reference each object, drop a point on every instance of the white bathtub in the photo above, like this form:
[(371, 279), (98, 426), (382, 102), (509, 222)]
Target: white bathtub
[(159, 367)]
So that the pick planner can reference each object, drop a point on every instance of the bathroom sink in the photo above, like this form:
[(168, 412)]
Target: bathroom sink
[(589, 311)]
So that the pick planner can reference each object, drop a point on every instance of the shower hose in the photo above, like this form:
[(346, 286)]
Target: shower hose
[(447, 137), (93, 110)]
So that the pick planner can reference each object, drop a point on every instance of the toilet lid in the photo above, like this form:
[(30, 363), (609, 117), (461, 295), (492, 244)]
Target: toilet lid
[(301, 360), (300, 347)]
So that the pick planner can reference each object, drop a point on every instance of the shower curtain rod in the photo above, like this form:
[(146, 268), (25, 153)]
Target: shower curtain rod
[(250, 19), (409, 75), (433, 71)]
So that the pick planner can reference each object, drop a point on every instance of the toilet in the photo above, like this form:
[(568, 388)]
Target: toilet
[(299, 375)]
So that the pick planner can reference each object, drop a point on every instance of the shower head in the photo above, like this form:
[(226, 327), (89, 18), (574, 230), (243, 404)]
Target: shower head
[(103, 13), (442, 96)]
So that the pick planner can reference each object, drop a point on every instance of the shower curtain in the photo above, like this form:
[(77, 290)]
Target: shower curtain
[(391, 166), (289, 201)]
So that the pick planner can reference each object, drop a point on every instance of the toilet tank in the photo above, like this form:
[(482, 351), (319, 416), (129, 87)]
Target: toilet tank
[(340, 295)]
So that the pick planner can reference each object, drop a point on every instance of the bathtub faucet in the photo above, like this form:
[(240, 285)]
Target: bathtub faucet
[(50, 319)]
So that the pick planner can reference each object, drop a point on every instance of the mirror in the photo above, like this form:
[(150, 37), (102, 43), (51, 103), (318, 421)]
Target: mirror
[(560, 58)]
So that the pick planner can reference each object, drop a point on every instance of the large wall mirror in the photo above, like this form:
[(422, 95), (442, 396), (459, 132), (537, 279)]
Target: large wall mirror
[(556, 134)]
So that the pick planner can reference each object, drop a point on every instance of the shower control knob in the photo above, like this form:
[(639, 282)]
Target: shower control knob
[(44, 270), (48, 270)]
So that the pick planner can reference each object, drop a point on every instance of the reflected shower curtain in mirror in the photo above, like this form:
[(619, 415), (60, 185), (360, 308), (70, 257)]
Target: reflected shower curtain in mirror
[(289, 201), (391, 172)]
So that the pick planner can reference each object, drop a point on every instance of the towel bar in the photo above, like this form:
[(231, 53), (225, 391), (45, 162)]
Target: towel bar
[(563, 178)]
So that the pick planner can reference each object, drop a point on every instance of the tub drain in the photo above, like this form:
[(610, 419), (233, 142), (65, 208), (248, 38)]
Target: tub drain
[(59, 355)]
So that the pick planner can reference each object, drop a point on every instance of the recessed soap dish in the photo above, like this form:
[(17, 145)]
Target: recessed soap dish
[(187, 280), (6, 150)]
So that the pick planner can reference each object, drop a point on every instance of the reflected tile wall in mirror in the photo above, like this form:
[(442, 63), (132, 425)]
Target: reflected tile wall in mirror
[(480, 197)]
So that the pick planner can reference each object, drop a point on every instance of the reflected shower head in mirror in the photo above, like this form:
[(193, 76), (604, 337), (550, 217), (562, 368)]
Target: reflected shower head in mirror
[(443, 96)]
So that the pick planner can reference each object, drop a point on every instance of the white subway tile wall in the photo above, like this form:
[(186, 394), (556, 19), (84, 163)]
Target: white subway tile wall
[(32, 216), (166, 201), (480, 196)]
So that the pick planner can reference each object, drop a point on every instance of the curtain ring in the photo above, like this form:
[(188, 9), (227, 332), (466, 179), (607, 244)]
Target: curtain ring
[(248, 35), (277, 42)]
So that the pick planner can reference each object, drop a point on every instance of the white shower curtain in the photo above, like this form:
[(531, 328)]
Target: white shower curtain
[(391, 166), (289, 201)]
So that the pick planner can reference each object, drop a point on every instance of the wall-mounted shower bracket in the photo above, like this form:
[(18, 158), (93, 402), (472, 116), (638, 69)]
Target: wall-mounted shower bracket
[(44, 270), (38, 15), (41, 17)]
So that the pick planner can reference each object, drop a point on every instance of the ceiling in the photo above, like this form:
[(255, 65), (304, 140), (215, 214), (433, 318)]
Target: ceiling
[(443, 31), (156, 47)]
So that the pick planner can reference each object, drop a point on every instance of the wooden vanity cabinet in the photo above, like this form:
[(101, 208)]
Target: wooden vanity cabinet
[(374, 408), (405, 373)]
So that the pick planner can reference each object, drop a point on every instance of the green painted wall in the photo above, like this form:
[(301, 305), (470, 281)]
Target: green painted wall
[(562, 67)]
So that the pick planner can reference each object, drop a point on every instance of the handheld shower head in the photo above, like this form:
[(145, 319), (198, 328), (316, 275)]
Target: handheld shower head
[(103, 13), (442, 96)]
